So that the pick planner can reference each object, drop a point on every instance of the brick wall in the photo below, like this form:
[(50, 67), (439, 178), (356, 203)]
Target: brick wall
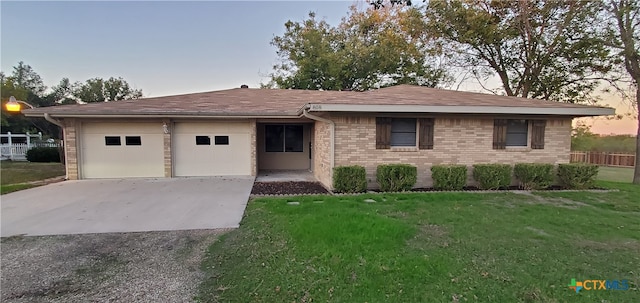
[(71, 148), (322, 153), (168, 167), (254, 161), (456, 141)]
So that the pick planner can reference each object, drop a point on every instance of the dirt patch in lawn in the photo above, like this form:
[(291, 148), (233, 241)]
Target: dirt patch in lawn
[(123, 267), (287, 188), (429, 236)]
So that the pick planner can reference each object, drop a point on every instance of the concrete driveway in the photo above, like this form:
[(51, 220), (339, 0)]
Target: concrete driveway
[(126, 205)]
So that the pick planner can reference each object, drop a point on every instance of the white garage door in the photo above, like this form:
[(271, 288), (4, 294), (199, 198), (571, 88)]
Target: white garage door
[(121, 150), (212, 149)]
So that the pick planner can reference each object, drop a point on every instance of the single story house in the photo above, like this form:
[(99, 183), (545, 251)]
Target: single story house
[(242, 131)]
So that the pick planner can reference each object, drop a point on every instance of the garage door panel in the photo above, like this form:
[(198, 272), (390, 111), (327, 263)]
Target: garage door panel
[(212, 159), (217, 127), (122, 128), (122, 161)]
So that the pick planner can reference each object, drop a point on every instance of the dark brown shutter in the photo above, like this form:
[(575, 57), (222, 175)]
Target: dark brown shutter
[(499, 133), (425, 133), (383, 133), (537, 134)]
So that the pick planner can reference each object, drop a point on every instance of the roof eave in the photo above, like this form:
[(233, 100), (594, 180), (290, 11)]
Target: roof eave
[(162, 115), (453, 109)]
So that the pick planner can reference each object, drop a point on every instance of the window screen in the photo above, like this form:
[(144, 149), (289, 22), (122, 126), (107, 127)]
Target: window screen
[(112, 140), (403, 132), (284, 138), (222, 140), (517, 131), (203, 140), (274, 138), (294, 138), (133, 140)]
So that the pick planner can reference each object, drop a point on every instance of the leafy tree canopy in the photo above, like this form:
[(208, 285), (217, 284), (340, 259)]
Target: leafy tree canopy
[(538, 49), (100, 90), (368, 49), (25, 84)]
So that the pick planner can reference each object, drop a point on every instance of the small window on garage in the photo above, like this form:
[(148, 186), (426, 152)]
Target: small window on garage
[(222, 140), (203, 140), (133, 140), (112, 140)]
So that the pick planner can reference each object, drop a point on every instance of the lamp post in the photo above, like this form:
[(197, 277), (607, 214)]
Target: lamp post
[(14, 105)]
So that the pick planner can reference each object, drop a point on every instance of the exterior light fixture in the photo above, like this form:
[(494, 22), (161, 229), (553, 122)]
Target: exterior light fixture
[(15, 106)]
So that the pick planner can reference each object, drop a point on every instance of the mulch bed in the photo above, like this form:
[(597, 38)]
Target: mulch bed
[(306, 188), (287, 188)]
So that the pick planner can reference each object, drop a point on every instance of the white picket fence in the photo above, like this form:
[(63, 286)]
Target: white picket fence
[(18, 151)]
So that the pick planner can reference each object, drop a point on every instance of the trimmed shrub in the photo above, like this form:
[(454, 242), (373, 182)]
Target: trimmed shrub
[(349, 179), (492, 176), (534, 175), (43, 154), (577, 175), (449, 177), (396, 177)]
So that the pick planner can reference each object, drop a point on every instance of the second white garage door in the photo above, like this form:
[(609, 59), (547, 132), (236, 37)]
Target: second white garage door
[(212, 149)]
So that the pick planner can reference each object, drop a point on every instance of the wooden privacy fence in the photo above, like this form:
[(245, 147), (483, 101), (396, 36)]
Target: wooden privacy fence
[(602, 158)]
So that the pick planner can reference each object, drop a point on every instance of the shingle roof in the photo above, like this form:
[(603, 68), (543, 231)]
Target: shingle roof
[(287, 102)]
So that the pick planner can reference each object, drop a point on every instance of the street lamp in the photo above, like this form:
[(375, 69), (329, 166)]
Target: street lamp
[(14, 105)]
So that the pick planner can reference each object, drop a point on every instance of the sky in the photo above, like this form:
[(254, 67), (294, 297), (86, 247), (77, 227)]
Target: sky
[(168, 47)]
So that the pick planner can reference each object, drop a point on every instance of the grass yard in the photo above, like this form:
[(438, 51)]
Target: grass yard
[(435, 247), (615, 174), (13, 174)]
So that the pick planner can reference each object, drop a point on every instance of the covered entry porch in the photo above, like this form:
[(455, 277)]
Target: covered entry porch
[(284, 147)]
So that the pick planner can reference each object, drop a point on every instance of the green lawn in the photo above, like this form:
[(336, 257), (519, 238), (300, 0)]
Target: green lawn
[(13, 174), (436, 247), (615, 174)]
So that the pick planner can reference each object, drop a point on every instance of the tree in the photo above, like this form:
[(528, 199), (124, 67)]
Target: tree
[(368, 49), (582, 139), (538, 49), (624, 37), (25, 77), (25, 84), (63, 92), (99, 90)]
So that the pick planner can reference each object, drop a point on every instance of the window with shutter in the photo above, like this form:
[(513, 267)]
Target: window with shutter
[(404, 132)]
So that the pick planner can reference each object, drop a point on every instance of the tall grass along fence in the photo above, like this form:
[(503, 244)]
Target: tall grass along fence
[(602, 158), (15, 146)]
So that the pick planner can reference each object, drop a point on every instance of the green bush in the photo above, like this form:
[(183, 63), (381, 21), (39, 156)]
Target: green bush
[(43, 154), (349, 179), (577, 175), (492, 176), (396, 177), (534, 175), (449, 177)]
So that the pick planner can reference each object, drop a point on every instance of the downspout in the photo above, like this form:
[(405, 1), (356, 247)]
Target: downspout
[(332, 130), (64, 142)]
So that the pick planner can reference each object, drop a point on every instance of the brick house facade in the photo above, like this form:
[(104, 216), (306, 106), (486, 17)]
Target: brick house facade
[(230, 132)]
